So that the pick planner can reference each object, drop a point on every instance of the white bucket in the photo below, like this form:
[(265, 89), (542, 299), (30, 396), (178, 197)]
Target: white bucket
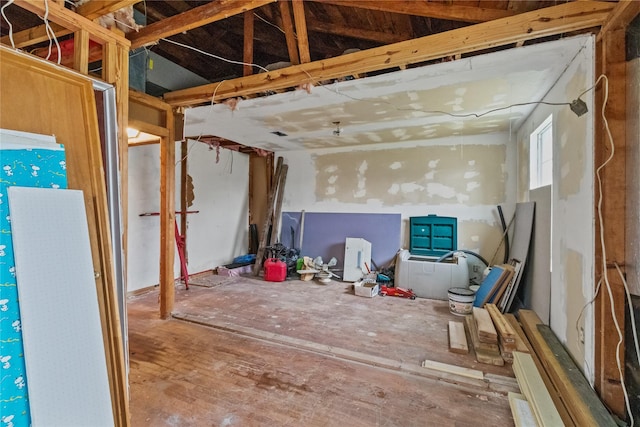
[(461, 301)]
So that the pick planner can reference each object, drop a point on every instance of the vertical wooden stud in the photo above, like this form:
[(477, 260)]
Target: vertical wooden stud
[(610, 58), (301, 30), (81, 51), (248, 43)]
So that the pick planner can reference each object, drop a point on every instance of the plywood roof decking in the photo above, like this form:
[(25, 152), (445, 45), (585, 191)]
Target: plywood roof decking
[(211, 376)]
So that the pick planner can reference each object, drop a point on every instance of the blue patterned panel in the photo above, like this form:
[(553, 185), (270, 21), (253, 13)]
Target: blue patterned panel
[(37, 167)]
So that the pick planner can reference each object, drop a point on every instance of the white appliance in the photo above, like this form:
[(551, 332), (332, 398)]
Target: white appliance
[(430, 279), (357, 257)]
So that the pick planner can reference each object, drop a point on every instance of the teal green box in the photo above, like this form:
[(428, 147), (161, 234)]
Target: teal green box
[(433, 235)]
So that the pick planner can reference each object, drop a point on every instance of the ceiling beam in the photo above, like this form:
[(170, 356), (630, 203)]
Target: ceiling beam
[(71, 21), (357, 33), (194, 18), (247, 69), (574, 16), (91, 10), (451, 11)]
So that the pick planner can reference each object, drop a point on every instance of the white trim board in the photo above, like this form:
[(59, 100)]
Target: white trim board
[(63, 346)]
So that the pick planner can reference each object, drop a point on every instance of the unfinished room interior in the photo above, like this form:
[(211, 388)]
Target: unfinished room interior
[(319, 213)]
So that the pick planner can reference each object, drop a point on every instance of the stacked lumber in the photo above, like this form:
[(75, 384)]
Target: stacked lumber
[(506, 334), (483, 339)]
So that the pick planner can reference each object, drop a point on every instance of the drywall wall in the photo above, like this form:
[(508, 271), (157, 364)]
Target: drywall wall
[(633, 177), (220, 231), (143, 243), (462, 176), (572, 212), (215, 235)]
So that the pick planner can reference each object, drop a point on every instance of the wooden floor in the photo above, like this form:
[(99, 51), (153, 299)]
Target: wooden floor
[(256, 353)]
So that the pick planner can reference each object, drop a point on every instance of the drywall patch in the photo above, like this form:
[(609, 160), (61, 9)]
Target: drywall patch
[(473, 175), (571, 132), (573, 266), (482, 238)]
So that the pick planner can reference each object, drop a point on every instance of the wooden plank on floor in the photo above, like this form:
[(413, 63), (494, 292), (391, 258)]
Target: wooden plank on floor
[(521, 411), (457, 338), (485, 353), (486, 331), (453, 369), (536, 392)]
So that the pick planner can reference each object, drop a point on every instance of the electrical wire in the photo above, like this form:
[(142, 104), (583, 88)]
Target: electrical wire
[(13, 45), (272, 24), (186, 46), (50, 33)]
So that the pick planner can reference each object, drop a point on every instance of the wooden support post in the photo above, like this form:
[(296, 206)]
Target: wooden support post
[(275, 233), (167, 220), (80, 51), (248, 43), (610, 60)]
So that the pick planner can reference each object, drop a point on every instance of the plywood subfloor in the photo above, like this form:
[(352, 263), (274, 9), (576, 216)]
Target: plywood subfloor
[(243, 371)]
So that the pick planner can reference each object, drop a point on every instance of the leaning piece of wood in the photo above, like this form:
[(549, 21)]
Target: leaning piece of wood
[(535, 391), (505, 280), (457, 338), (485, 353), (486, 330), (265, 227), (521, 411), (582, 403)]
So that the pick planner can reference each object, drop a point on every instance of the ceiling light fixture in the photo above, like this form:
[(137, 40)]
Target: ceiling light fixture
[(338, 130)]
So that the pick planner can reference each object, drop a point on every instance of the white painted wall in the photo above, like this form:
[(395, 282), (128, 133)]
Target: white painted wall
[(572, 215), (436, 191), (215, 235), (220, 231), (143, 241)]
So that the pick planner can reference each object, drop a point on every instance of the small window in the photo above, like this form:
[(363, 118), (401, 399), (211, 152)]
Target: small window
[(541, 155)]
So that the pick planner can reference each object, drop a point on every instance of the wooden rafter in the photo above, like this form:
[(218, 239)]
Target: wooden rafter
[(248, 43), (358, 33), (289, 32), (559, 19), (452, 11), (91, 10), (194, 18), (622, 14), (301, 30)]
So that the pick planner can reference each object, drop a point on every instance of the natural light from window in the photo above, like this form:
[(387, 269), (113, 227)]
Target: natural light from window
[(541, 155)]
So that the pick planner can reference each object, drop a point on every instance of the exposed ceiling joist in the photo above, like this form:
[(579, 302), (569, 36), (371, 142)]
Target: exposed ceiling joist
[(71, 21), (622, 14), (450, 11), (194, 18), (358, 33), (91, 10), (289, 32), (574, 16)]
